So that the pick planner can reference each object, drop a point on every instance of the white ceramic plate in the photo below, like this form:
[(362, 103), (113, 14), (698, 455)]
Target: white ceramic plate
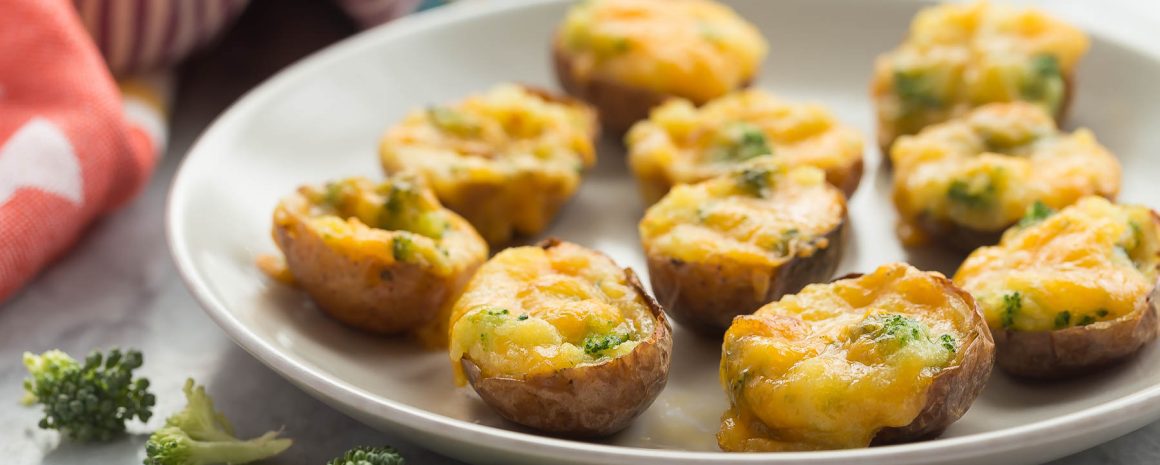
[(322, 118)]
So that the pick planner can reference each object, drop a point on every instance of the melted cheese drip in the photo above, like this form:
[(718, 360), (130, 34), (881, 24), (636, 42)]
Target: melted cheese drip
[(1089, 257), (720, 220), (530, 311), (968, 55), (677, 142), (696, 49), (800, 378), (1010, 155)]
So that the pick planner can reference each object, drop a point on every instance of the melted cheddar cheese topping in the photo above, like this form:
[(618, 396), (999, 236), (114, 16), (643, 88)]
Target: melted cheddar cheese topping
[(513, 149), (829, 367), (959, 56), (1091, 262), (758, 217), (696, 49), (681, 143), (531, 310), (398, 221), (983, 170)]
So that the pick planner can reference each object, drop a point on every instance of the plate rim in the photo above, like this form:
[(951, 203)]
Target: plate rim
[(1060, 429)]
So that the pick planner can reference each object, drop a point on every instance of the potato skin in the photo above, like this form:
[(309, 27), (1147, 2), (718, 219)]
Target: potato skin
[(706, 297), (954, 389), (585, 401), (362, 292), (1079, 349), (619, 105)]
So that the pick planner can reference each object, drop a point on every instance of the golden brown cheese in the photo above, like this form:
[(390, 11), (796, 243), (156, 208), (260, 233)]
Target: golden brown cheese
[(983, 170), (959, 56), (506, 159), (758, 218), (696, 49), (1093, 261), (680, 143), (831, 366), (536, 310)]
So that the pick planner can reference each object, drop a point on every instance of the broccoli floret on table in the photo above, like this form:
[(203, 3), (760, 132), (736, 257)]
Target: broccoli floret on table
[(201, 435), (89, 400), (369, 456)]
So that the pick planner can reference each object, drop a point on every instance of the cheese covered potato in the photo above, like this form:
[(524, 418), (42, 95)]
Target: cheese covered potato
[(625, 56), (1070, 291), (681, 144), (964, 181), (386, 258), (558, 338), (506, 160), (727, 246), (959, 56), (892, 356)]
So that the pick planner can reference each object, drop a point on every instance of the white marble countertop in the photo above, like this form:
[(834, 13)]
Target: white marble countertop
[(119, 287)]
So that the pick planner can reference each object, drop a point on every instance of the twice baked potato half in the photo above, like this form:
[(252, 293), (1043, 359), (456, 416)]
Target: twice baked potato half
[(681, 144), (556, 337), (959, 56), (506, 159), (965, 181), (893, 356), (1069, 292), (626, 56), (382, 257), (727, 246)]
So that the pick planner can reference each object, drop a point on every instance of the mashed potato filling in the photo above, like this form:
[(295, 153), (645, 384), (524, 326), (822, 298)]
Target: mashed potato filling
[(505, 159), (959, 56), (829, 367), (531, 310), (762, 215), (984, 170), (681, 143), (696, 49), (397, 221), (1094, 261)]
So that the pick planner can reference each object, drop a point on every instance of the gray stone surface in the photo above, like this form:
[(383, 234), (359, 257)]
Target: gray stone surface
[(119, 287)]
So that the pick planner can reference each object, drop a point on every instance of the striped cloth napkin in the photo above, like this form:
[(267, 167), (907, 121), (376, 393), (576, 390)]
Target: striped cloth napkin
[(84, 94)]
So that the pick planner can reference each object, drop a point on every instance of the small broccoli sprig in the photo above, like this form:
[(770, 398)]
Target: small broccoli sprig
[(201, 435), (369, 456), (89, 401)]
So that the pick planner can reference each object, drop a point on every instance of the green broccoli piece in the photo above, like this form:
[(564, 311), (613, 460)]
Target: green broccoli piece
[(90, 400), (741, 142), (1062, 319), (401, 247), (1012, 304), (948, 343), (916, 90), (1044, 81), (369, 456), (754, 181), (596, 344), (1037, 212), (899, 330), (201, 435), (973, 197)]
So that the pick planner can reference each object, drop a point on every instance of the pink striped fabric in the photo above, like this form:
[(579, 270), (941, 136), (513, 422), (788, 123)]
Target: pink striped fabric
[(138, 35)]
